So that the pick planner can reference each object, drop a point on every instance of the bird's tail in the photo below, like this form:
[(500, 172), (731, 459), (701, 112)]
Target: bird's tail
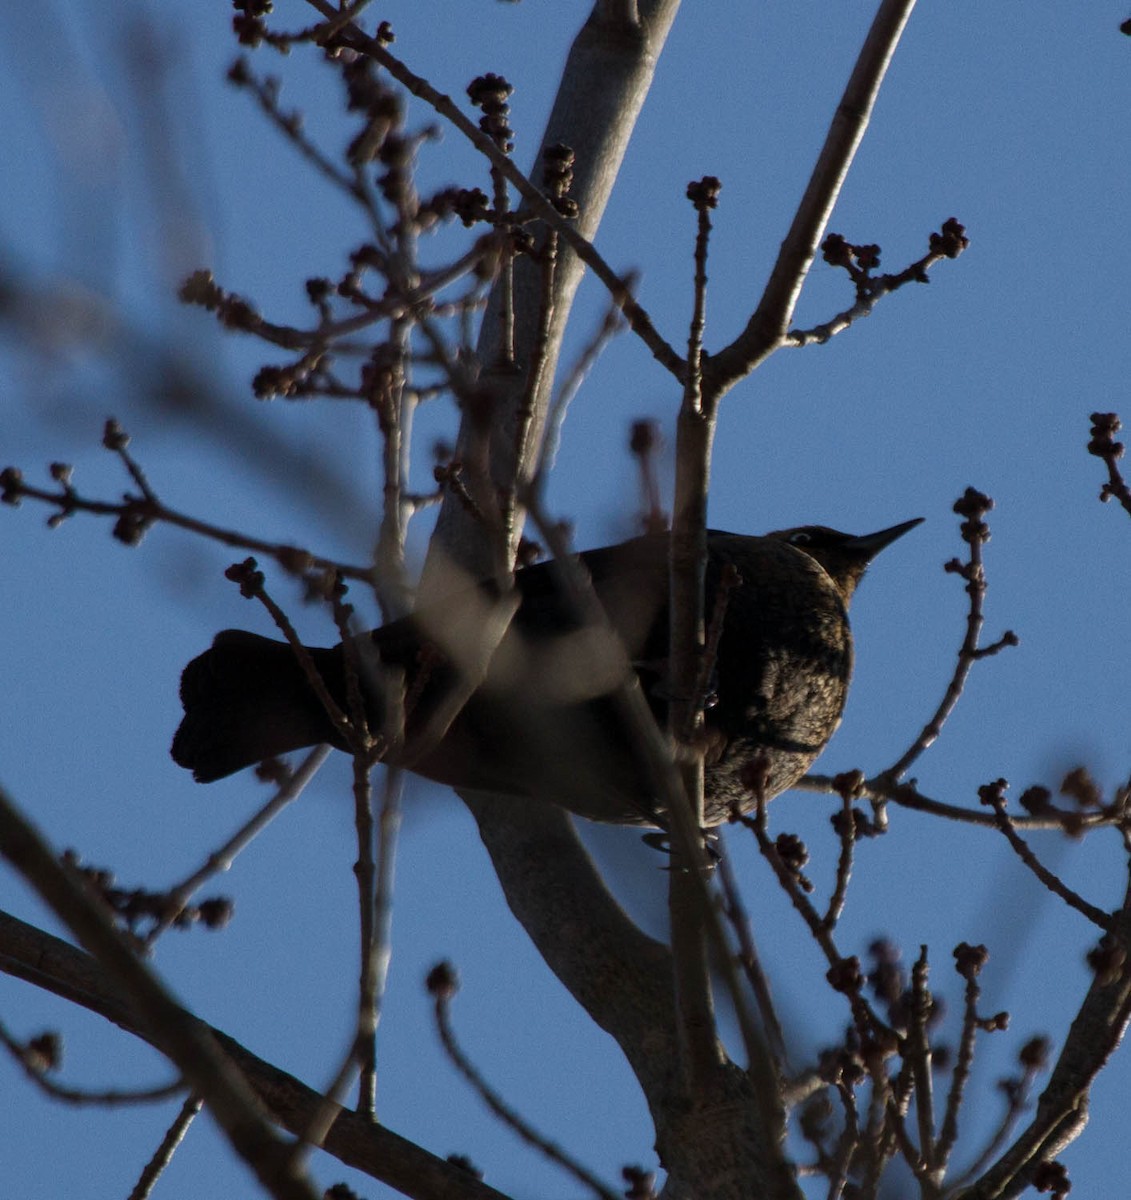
[(247, 699)]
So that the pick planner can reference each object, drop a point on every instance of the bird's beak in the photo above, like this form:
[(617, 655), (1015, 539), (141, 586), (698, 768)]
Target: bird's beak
[(872, 543)]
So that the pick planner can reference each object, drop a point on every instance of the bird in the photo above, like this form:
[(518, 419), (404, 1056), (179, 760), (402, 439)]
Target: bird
[(538, 716)]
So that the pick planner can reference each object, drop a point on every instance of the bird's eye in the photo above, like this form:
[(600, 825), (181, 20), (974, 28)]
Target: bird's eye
[(800, 538)]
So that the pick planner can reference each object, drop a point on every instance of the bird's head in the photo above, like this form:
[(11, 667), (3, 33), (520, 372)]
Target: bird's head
[(844, 556)]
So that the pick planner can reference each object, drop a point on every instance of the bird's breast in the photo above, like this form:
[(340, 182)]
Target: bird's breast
[(783, 667)]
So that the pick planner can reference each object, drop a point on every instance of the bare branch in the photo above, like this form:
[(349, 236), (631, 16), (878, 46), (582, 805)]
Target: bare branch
[(949, 243), (220, 860), (972, 506), (970, 960), (766, 330), (881, 790), (56, 966), (917, 1053), (184, 1041), (993, 795), (637, 318), (739, 919), (134, 515), (1033, 1058), (1062, 1111), (1103, 445), (31, 1058), (443, 984), (163, 1155)]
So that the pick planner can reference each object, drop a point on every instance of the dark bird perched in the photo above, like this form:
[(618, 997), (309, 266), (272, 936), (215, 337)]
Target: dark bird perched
[(543, 720)]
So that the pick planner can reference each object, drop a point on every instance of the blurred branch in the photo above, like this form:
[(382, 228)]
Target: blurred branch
[(735, 912), (993, 795), (136, 514), (221, 859), (55, 966), (41, 1055), (1033, 1059), (637, 42), (182, 1039), (172, 384), (163, 1155), (443, 984), (603, 86), (689, 895), (1062, 1111)]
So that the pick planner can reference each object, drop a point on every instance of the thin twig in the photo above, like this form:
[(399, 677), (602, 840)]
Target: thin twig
[(266, 93), (619, 290), (907, 795), (704, 194), (237, 313), (348, 14), (918, 1052), (26, 1057), (846, 1144), (182, 1038), (571, 383), (644, 443), (442, 984), (948, 1134), (361, 1056), (558, 171), (766, 330), (735, 912), (897, 1124), (365, 872), (887, 1118), (163, 1155), (994, 796), (221, 860), (388, 829), (115, 439), (972, 506), (1103, 445), (138, 513), (1017, 1101), (847, 831), (251, 584), (949, 243), (863, 1014)]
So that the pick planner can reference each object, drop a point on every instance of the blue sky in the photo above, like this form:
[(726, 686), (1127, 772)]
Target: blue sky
[(1010, 118)]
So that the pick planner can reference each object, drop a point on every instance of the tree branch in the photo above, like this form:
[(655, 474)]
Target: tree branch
[(54, 965), (182, 1039), (766, 330), (1062, 1111)]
